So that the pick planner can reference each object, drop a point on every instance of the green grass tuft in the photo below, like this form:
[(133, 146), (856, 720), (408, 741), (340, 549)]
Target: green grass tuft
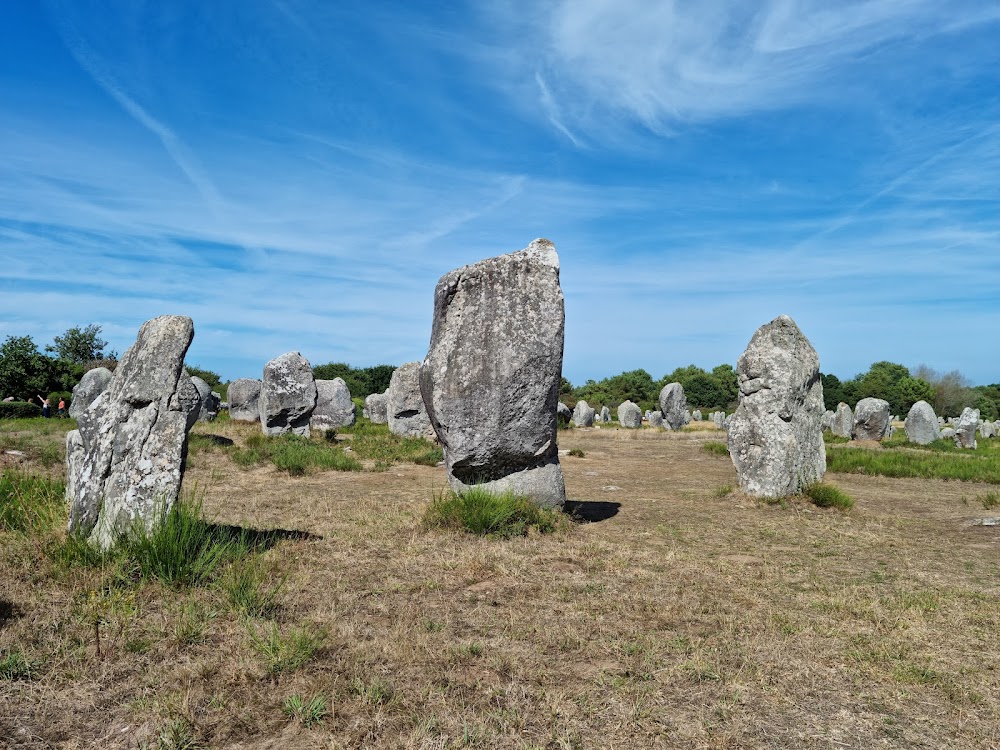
[(288, 652), (828, 496), (577, 453), (309, 713), (716, 448), (16, 666), (248, 589), (30, 503), (479, 511)]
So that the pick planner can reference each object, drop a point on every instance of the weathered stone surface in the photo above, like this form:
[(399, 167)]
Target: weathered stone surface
[(208, 401), (922, 424), (629, 415), (563, 413), (405, 408), (965, 429), (189, 398), (947, 433), (287, 395), (583, 414), (92, 385), (775, 439), (492, 373), (124, 463), (375, 408), (605, 414), (843, 421), (244, 395), (871, 420), (986, 430), (696, 415), (334, 407), (673, 406), (655, 419), (826, 420)]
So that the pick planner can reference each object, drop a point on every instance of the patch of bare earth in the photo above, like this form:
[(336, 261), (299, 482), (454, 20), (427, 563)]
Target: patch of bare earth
[(676, 618)]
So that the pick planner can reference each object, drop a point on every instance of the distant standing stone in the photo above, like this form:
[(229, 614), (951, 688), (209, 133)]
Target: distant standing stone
[(965, 430), (334, 407), (208, 402), (92, 385), (564, 413), (986, 430), (583, 414), (630, 415), (655, 419), (826, 420), (871, 420), (843, 421), (405, 408), (287, 395), (673, 406), (375, 408), (244, 394), (605, 414), (775, 439), (125, 462), (492, 374), (921, 424), (947, 433), (696, 415)]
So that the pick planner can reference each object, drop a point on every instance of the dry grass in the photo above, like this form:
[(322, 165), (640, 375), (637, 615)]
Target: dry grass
[(683, 618)]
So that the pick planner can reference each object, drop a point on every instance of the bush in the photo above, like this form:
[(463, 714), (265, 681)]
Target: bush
[(30, 503), (828, 496), (19, 410), (479, 511), (54, 399)]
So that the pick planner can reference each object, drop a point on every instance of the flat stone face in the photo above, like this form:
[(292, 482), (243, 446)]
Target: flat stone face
[(287, 395), (334, 407), (922, 424), (88, 389), (674, 406), (630, 415), (843, 421), (965, 428), (124, 463), (491, 377), (244, 396), (775, 439), (871, 420), (583, 414), (405, 408), (375, 408)]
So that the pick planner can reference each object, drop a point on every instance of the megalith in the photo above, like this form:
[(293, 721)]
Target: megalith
[(921, 424), (605, 414), (92, 385), (244, 395), (965, 428), (656, 419), (124, 463), (287, 395), (673, 406), (775, 439), (583, 414), (375, 408), (208, 402), (492, 373), (630, 415), (334, 407), (843, 421), (405, 407), (871, 419), (563, 413)]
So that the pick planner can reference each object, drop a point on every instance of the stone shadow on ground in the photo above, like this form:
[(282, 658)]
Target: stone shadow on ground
[(219, 440), (591, 511), (259, 540), (9, 612)]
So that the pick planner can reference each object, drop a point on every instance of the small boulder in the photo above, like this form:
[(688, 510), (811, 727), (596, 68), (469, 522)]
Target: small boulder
[(244, 396), (605, 414), (871, 420), (563, 413), (208, 401), (696, 415), (656, 419), (334, 407), (287, 395), (375, 408), (630, 415), (921, 424)]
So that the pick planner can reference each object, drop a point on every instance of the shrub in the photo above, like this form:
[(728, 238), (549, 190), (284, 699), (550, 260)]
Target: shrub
[(479, 511), (716, 448), (577, 453), (828, 496), (19, 410), (30, 503)]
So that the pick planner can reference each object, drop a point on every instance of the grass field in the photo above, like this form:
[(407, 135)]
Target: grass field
[(670, 614)]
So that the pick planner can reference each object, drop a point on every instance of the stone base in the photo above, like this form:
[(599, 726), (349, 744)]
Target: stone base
[(543, 484)]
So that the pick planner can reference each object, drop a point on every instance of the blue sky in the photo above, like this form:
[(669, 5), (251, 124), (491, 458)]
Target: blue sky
[(298, 175)]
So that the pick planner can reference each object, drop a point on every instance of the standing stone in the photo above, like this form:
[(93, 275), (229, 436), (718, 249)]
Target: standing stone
[(843, 421), (826, 420), (405, 408), (921, 424), (375, 408), (492, 374), (605, 414), (656, 419), (673, 406), (334, 407), (92, 385), (124, 463), (986, 430), (243, 400), (583, 415), (947, 433), (287, 395), (208, 402), (563, 413), (871, 419), (696, 415), (775, 439), (965, 430), (630, 415), (189, 398)]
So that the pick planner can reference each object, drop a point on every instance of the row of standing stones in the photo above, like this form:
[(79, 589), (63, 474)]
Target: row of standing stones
[(870, 420), (496, 350)]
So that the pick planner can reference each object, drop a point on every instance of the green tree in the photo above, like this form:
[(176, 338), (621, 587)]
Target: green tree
[(24, 371), (729, 384), (361, 381), (833, 391), (79, 345)]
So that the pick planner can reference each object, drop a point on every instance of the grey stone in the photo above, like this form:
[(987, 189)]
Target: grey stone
[(583, 414), (492, 373), (965, 430), (92, 385), (563, 413), (287, 395), (775, 439), (189, 398), (405, 408), (947, 433), (826, 421), (843, 421), (125, 462), (208, 401), (986, 430), (244, 396), (655, 419), (871, 419), (696, 415), (673, 406), (605, 414), (921, 424), (375, 408), (630, 415), (334, 407)]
